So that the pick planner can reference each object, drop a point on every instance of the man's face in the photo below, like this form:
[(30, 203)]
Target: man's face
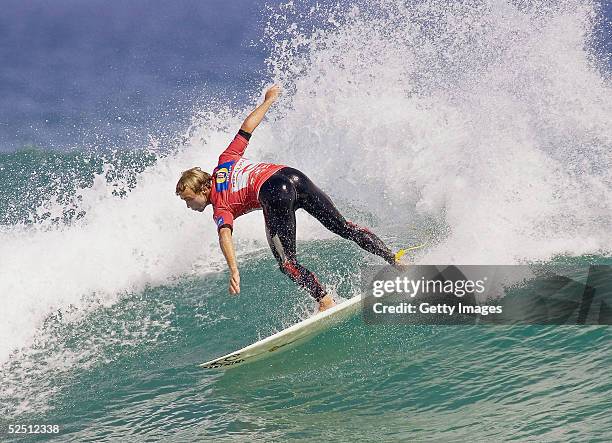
[(196, 202)]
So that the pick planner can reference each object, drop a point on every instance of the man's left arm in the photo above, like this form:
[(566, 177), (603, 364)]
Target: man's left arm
[(227, 247)]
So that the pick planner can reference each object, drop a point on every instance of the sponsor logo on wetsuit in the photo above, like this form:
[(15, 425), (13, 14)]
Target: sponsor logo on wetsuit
[(222, 174), (242, 171)]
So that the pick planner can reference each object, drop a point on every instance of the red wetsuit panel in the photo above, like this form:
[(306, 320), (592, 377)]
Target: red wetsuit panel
[(236, 183)]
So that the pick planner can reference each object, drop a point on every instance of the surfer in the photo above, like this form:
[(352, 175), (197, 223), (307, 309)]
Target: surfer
[(238, 186)]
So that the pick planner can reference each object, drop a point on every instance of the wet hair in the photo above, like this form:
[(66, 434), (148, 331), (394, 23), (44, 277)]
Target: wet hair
[(194, 179)]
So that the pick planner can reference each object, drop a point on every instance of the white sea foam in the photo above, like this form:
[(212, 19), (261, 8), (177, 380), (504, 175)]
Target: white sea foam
[(489, 117)]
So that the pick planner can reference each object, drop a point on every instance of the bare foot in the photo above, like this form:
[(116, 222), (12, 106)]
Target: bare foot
[(326, 303)]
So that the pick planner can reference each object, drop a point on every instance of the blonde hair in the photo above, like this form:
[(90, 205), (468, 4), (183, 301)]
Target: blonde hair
[(194, 179)]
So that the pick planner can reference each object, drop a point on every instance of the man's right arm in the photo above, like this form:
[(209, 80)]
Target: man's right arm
[(255, 117), (237, 147)]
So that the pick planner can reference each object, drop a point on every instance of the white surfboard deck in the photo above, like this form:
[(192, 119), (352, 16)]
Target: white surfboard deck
[(280, 341)]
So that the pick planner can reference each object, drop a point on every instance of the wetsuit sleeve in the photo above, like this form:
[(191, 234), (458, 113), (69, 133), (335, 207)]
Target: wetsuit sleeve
[(223, 218), (236, 148), (245, 134)]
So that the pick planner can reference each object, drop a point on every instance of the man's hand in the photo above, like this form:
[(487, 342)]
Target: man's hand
[(234, 282), (272, 93)]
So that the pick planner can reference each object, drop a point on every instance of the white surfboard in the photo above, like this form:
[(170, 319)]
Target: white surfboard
[(281, 340)]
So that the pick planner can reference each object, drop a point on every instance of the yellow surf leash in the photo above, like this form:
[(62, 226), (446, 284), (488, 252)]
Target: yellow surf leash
[(399, 254)]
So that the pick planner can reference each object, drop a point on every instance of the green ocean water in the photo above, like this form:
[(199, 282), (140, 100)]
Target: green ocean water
[(127, 369), (31, 176), (354, 382)]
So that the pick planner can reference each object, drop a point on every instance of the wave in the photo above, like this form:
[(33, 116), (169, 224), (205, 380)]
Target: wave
[(484, 124)]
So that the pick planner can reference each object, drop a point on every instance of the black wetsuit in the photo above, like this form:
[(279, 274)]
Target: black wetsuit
[(280, 196)]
